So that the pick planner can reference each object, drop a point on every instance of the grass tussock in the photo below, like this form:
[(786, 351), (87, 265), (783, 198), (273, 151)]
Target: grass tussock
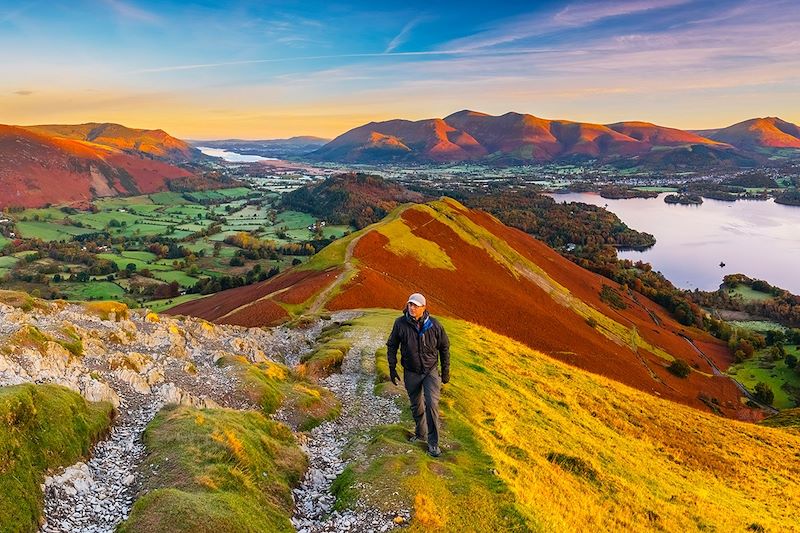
[(330, 351), (108, 310), (271, 385), (42, 427), (531, 444), (217, 470)]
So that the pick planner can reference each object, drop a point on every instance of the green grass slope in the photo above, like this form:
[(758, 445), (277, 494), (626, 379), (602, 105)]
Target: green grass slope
[(218, 470), (531, 444), (42, 427)]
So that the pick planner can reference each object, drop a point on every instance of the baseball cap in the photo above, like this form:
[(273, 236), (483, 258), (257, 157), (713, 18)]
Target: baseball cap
[(417, 299)]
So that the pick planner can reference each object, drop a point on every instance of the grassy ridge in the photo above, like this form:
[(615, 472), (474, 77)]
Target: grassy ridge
[(41, 427), (218, 470), (534, 444)]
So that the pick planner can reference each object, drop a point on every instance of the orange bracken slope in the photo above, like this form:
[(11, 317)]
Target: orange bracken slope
[(473, 267), (37, 169)]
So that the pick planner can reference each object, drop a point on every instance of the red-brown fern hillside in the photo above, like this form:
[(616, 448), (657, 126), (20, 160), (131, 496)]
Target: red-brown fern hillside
[(759, 134), (153, 143), (473, 267), (37, 169)]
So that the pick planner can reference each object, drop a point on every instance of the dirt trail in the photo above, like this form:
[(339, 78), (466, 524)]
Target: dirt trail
[(322, 297), (326, 444)]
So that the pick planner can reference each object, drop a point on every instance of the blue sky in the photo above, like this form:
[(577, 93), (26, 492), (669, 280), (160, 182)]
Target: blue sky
[(270, 69)]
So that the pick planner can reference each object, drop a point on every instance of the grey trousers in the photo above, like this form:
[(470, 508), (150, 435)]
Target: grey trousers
[(423, 392)]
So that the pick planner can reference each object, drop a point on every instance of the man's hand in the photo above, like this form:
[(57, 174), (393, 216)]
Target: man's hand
[(393, 375), (446, 377)]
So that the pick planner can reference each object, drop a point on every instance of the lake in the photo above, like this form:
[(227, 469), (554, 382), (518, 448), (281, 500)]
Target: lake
[(233, 157), (760, 239)]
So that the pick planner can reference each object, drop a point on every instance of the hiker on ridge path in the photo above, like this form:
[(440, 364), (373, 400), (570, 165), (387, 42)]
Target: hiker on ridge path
[(422, 342)]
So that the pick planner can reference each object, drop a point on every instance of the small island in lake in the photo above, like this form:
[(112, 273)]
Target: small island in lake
[(685, 199)]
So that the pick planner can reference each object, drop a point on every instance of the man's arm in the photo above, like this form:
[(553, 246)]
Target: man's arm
[(444, 354), (391, 352)]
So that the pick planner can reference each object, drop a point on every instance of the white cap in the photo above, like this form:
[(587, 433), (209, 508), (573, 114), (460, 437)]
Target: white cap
[(417, 299)]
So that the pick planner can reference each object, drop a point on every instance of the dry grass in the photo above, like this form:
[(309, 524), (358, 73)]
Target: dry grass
[(404, 243), (107, 310)]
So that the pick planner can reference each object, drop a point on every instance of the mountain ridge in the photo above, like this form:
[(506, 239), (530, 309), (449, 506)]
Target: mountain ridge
[(468, 135)]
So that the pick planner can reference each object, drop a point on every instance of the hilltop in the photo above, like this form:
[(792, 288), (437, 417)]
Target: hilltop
[(354, 198), (758, 134), (474, 268), (60, 164), (518, 138), (156, 143)]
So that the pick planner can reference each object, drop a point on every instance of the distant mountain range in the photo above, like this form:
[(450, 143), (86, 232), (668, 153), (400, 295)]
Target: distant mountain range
[(69, 163), (514, 138)]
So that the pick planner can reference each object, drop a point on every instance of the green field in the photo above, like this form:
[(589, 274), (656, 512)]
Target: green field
[(775, 374), (748, 294), (757, 325), (183, 279), (158, 306), (3, 241), (178, 218), (50, 231), (656, 189), (123, 260), (8, 261), (92, 290)]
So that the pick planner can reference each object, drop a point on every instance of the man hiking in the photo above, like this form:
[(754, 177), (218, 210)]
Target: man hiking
[(422, 342)]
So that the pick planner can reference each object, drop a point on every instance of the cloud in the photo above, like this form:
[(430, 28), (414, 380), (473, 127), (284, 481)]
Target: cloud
[(583, 14), (402, 37), (381, 55), (23, 92), (572, 16), (131, 12)]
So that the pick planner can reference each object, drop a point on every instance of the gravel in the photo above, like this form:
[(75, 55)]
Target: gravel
[(326, 444)]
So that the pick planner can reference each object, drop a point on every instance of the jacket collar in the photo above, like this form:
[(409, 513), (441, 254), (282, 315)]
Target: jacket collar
[(422, 325)]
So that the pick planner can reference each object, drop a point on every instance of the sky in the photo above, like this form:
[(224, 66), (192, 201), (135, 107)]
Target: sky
[(272, 69)]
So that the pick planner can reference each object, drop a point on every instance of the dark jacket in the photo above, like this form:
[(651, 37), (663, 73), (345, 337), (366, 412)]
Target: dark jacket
[(422, 343)]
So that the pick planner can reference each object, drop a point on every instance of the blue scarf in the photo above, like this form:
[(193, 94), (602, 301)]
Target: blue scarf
[(426, 322)]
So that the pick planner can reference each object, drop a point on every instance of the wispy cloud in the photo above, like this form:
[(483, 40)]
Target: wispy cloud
[(12, 14), (132, 12), (402, 37), (582, 14), (23, 92), (572, 16), (382, 55)]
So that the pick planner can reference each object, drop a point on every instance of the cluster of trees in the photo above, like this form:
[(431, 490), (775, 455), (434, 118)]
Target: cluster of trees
[(252, 247), (353, 198), (789, 197), (221, 283), (560, 225)]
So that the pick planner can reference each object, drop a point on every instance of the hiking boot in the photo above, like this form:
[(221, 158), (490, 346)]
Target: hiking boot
[(414, 439), (434, 451)]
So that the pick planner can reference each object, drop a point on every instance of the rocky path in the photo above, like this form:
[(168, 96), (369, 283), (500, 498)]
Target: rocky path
[(95, 496), (326, 444)]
